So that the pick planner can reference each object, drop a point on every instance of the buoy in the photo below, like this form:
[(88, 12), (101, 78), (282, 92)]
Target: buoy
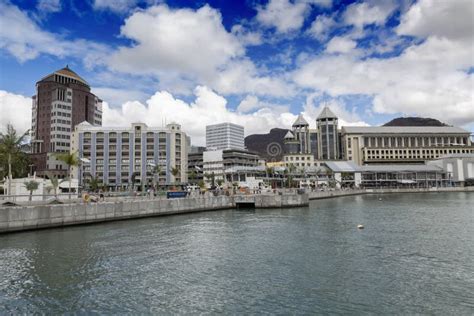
[(360, 226), (380, 199)]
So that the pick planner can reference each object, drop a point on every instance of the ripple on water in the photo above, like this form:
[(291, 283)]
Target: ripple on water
[(416, 255)]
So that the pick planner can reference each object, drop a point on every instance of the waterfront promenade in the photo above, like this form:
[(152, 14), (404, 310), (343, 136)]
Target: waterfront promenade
[(20, 218)]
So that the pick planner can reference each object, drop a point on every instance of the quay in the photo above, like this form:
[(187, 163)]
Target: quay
[(22, 218)]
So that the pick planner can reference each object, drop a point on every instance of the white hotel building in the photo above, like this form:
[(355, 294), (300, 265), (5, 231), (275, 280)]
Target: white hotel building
[(116, 155)]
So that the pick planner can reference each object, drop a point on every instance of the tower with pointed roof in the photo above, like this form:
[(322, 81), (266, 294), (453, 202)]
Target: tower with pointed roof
[(63, 100), (328, 137), (301, 133)]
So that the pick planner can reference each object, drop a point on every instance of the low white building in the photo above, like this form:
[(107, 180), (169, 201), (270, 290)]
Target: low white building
[(458, 167)]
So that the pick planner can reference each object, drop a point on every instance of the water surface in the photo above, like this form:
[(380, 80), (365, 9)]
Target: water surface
[(415, 255)]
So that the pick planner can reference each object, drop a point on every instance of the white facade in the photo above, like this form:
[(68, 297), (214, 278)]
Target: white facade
[(403, 144), (225, 136), (119, 156)]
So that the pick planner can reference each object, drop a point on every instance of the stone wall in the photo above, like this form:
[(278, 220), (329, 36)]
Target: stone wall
[(33, 217)]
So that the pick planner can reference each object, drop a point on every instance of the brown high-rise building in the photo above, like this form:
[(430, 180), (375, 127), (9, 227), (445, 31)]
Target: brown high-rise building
[(63, 100)]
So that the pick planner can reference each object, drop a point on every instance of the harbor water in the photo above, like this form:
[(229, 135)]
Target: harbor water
[(415, 255)]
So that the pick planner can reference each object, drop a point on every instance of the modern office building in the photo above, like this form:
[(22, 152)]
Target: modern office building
[(216, 162), (138, 156), (63, 100), (403, 144), (225, 136)]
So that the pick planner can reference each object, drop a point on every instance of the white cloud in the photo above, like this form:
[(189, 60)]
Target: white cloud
[(23, 38), (117, 6), (451, 19), (321, 27), (207, 108), (283, 15), (181, 40), (425, 80), (192, 46), (322, 3), (16, 110), (248, 104), (49, 6), (245, 36), (116, 96), (340, 44), (243, 77), (369, 12)]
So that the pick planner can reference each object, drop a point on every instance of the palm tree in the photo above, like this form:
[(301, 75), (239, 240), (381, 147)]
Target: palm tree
[(71, 160), (211, 177), (94, 183), (156, 175), (192, 175), (12, 158), (54, 183), (175, 172), (31, 186)]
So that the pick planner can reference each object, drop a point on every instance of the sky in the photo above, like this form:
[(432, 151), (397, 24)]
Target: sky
[(250, 62)]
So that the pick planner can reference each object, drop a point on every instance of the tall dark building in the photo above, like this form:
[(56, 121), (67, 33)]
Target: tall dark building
[(328, 138), (63, 100)]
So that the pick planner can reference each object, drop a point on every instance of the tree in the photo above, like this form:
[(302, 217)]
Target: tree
[(94, 183), (71, 160), (212, 177), (54, 183), (192, 175), (14, 161), (175, 172), (201, 184), (31, 186)]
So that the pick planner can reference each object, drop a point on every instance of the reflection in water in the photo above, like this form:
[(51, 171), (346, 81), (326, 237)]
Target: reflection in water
[(416, 255)]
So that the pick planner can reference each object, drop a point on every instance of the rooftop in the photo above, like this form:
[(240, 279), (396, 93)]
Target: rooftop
[(326, 113), (403, 130), (401, 168), (342, 166), (300, 121), (68, 72)]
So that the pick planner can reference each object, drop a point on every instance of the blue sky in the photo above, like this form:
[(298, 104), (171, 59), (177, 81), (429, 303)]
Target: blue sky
[(257, 63)]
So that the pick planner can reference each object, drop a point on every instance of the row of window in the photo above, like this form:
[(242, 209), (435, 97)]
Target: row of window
[(432, 141), (412, 154)]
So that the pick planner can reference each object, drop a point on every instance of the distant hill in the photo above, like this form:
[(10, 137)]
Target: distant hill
[(414, 121), (268, 146)]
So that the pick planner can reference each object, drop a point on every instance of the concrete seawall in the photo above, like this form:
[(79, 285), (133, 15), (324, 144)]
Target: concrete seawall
[(20, 218), (332, 194)]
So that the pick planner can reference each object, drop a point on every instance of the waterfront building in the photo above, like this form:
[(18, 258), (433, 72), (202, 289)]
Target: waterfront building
[(139, 155), (215, 162), (403, 144), (225, 136), (370, 144), (63, 99), (459, 167), (328, 138)]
